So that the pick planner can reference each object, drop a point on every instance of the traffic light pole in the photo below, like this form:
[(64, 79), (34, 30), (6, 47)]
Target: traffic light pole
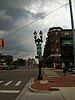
[(38, 42), (40, 67), (39, 52)]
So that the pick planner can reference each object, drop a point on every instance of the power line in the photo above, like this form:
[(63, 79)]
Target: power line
[(34, 21)]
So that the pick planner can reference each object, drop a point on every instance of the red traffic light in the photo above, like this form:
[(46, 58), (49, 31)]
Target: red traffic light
[(2, 43)]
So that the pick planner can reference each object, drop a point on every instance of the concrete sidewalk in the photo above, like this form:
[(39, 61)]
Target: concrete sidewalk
[(50, 73), (43, 96), (64, 93)]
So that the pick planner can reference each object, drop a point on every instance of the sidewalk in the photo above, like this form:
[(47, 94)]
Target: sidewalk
[(54, 86)]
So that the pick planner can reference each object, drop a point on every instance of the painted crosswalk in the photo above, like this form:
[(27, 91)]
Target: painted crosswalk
[(18, 83), (7, 83), (9, 91), (1, 81)]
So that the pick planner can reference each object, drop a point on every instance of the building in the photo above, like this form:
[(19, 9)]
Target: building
[(58, 47)]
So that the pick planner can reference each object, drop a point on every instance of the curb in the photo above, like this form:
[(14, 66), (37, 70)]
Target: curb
[(38, 91), (24, 90)]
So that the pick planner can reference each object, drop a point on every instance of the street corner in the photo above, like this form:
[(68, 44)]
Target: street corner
[(31, 89), (48, 84), (41, 86)]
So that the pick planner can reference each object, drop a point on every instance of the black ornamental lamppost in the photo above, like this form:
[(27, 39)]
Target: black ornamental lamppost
[(38, 42)]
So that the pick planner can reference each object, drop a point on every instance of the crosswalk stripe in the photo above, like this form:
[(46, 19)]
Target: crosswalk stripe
[(1, 81), (7, 83), (18, 83), (9, 91)]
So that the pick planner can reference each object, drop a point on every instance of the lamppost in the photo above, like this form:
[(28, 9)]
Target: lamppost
[(38, 42)]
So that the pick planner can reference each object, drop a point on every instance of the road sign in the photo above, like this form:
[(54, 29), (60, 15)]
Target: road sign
[(39, 50), (68, 42)]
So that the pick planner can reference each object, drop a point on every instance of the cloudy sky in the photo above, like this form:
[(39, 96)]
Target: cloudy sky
[(15, 14)]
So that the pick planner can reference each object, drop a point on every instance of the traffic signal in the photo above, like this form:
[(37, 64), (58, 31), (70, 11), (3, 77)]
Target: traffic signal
[(2, 43)]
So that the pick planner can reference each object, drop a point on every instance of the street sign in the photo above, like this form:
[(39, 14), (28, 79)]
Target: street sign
[(68, 42), (39, 50)]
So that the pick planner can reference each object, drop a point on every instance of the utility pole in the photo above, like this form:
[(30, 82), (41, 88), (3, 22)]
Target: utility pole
[(72, 25)]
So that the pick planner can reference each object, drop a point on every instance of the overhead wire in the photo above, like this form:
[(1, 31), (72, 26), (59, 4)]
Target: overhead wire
[(60, 2), (34, 21)]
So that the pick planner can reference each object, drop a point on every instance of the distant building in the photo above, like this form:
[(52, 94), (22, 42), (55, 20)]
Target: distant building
[(58, 47)]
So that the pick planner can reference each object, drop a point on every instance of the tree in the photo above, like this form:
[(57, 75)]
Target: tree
[(8, 59), (20, 62), (1, 58)]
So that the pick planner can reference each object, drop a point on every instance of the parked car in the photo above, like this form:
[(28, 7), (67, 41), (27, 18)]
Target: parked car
[(7, 67), (71, 68), (1, 67)]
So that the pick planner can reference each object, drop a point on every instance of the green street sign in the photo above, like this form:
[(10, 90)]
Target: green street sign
[(39, 50), (67, 42)]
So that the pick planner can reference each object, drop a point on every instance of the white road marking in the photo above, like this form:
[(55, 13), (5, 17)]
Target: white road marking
[(7, 83), (9, 91), (1, 81), (18, 83)]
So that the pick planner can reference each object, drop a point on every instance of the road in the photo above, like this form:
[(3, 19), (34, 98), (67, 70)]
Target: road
[(13, 81)]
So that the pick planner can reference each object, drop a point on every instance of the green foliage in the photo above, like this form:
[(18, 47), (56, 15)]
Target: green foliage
[(8, 59), (20, 62)]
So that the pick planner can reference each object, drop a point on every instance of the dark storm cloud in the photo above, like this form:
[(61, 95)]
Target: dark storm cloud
[(6, 21), (13, 9), (14, 14), (17, 13), (7, 4), (16, 10)]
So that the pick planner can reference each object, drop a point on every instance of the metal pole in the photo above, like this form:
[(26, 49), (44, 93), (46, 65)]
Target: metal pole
[(38, 43), (40, 67), (72, 25), (40, 64)]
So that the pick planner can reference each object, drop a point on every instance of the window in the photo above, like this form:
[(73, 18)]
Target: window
[(56, 41), (52, 49), (56, 33), (57, 49), (51, 40), (67, 33)]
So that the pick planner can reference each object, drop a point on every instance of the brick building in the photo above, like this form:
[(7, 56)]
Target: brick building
[(58, 47)]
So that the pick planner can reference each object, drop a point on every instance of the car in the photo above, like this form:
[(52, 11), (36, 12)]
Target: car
[(71, 68), (1, 67), (7, 67)]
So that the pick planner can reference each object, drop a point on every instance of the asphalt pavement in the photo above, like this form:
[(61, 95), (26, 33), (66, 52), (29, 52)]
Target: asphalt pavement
[(13, 81)]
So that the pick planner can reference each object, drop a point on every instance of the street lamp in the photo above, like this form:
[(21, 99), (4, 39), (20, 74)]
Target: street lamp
[(38, 42)]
